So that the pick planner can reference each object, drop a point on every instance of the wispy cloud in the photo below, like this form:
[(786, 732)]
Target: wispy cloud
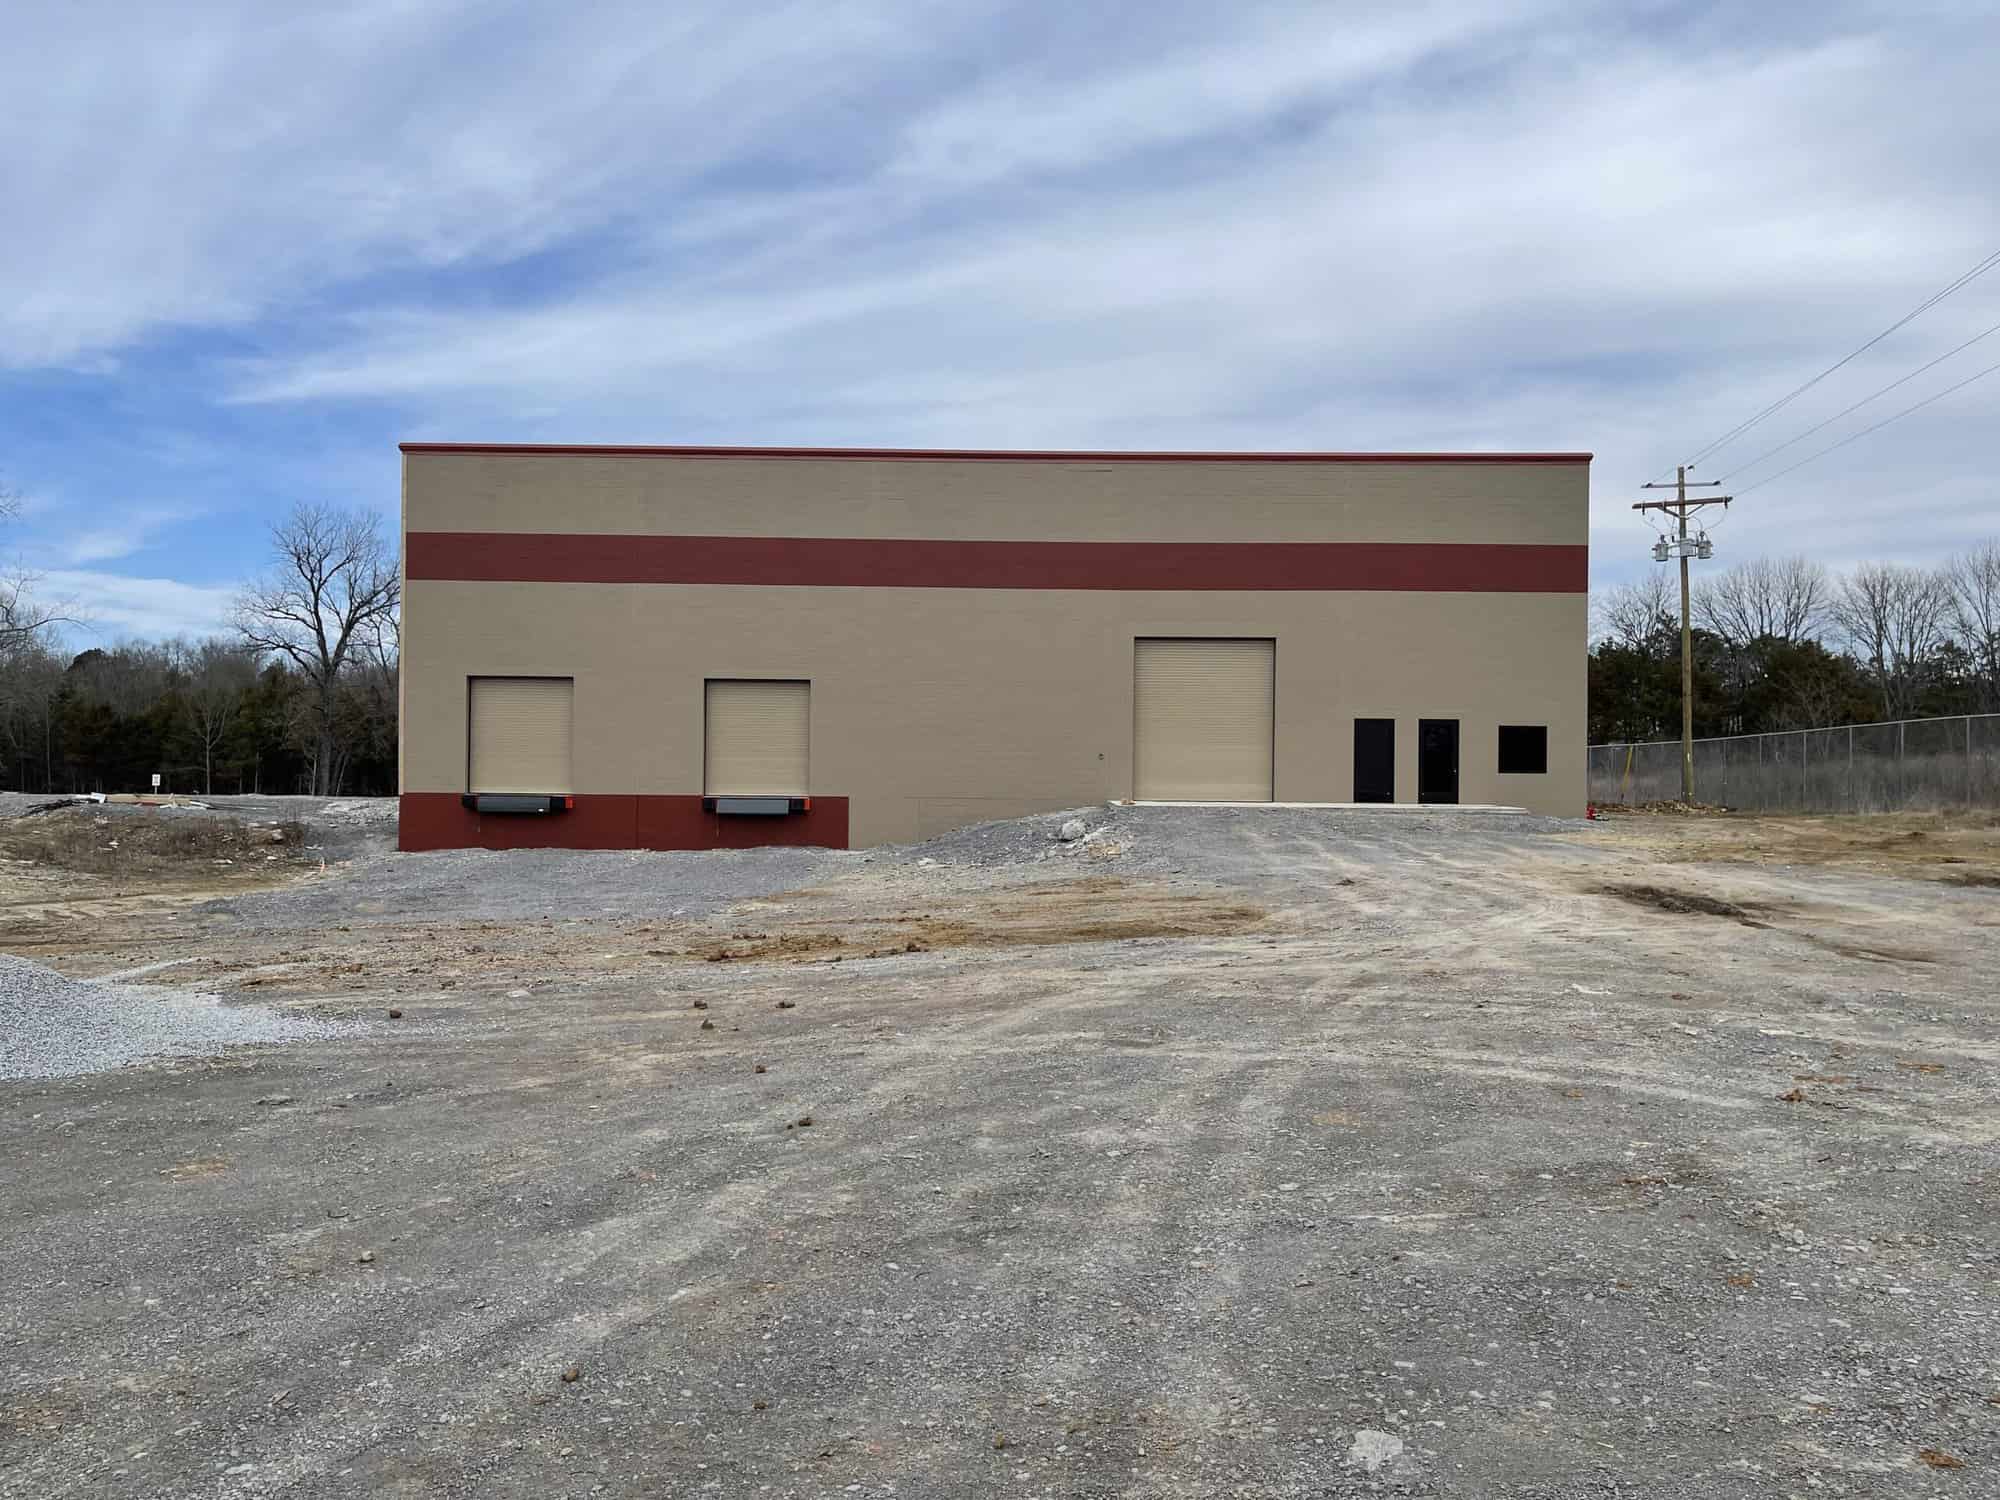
[(113, 606), (108, 538), (1235, 85), (186, 171), (1606, 224)]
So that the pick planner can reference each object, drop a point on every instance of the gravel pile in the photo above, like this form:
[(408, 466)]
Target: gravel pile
[(1010, 842), (1214, 840), (22, 804), (55, 1027), (372, 812)]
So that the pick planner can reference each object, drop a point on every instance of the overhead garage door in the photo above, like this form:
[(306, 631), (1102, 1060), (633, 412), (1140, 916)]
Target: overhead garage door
[(518, 734), (1202, 720), (756, 738)]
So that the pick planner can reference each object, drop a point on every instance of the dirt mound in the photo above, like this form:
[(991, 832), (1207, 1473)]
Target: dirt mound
[(1977, 880), (153, 843), (1681, 903), (1664, 809)]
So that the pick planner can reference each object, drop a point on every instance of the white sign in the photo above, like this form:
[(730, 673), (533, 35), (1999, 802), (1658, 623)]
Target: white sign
[(156, 781)]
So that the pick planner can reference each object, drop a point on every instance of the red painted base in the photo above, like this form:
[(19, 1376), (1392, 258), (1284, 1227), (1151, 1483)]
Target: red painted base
[(438, 820)]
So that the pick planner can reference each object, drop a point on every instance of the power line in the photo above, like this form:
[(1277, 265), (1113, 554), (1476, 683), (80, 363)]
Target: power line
[(1783, 401), (1850, 410), (1918, 406)]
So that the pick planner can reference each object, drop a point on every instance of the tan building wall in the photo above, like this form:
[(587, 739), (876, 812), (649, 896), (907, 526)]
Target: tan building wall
[(1105, 497), (934, 707)]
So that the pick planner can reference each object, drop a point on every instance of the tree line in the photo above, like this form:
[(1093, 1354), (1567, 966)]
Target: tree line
[(1786, 643), (299, 697)]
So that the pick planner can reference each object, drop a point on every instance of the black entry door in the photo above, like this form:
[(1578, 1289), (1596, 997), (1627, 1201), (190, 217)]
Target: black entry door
[(1437, 760), (1374, 760)]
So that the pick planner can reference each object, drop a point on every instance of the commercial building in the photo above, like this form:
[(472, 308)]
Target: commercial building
[(714, 647)]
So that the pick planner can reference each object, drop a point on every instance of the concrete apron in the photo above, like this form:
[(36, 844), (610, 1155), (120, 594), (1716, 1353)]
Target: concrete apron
[(1376, 807)]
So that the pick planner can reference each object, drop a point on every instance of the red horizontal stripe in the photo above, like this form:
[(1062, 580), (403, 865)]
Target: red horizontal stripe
[(438, 820), (996, 455), (865, 562)]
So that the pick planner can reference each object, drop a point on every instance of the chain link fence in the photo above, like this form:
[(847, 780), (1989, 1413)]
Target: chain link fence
[(1904, 765)]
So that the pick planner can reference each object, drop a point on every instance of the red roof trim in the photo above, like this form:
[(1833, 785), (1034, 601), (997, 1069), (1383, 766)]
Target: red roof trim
[(994, 455)]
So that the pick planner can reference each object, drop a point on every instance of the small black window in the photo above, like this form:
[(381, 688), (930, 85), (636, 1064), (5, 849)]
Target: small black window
[(1524, 749)]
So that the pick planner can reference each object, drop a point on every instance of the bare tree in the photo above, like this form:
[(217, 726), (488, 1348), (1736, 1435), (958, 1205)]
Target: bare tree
[(1974, 581), (219, 673), (1894, 618), (31, 680), (1633, 614), (1784, 599), (334, 585), (1817, 697), (24, 622), (127, 678), (376, 690)]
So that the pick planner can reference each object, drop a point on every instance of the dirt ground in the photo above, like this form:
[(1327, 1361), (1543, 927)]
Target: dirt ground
[(1248, 1152), (1953, 848), (67, 869)]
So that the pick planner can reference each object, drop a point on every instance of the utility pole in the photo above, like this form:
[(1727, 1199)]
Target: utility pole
[(1684, 547)]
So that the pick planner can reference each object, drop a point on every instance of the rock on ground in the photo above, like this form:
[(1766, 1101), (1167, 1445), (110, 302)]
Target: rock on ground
[(1374, 1449)]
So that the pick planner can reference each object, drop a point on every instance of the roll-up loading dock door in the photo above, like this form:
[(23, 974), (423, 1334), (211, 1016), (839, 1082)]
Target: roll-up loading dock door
[(756, 738), (1202, 716), (518, 734)]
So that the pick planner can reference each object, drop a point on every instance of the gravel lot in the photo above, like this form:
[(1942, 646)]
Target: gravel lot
[(1426, 1155), (52, 1027), (533, 884), (544, 884)]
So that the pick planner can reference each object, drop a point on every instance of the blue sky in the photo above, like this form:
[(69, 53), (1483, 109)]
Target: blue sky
[(251, 247)]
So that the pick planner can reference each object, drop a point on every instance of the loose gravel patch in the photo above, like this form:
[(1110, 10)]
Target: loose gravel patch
[(54, 1027), (532, 884), (1218, 841)]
